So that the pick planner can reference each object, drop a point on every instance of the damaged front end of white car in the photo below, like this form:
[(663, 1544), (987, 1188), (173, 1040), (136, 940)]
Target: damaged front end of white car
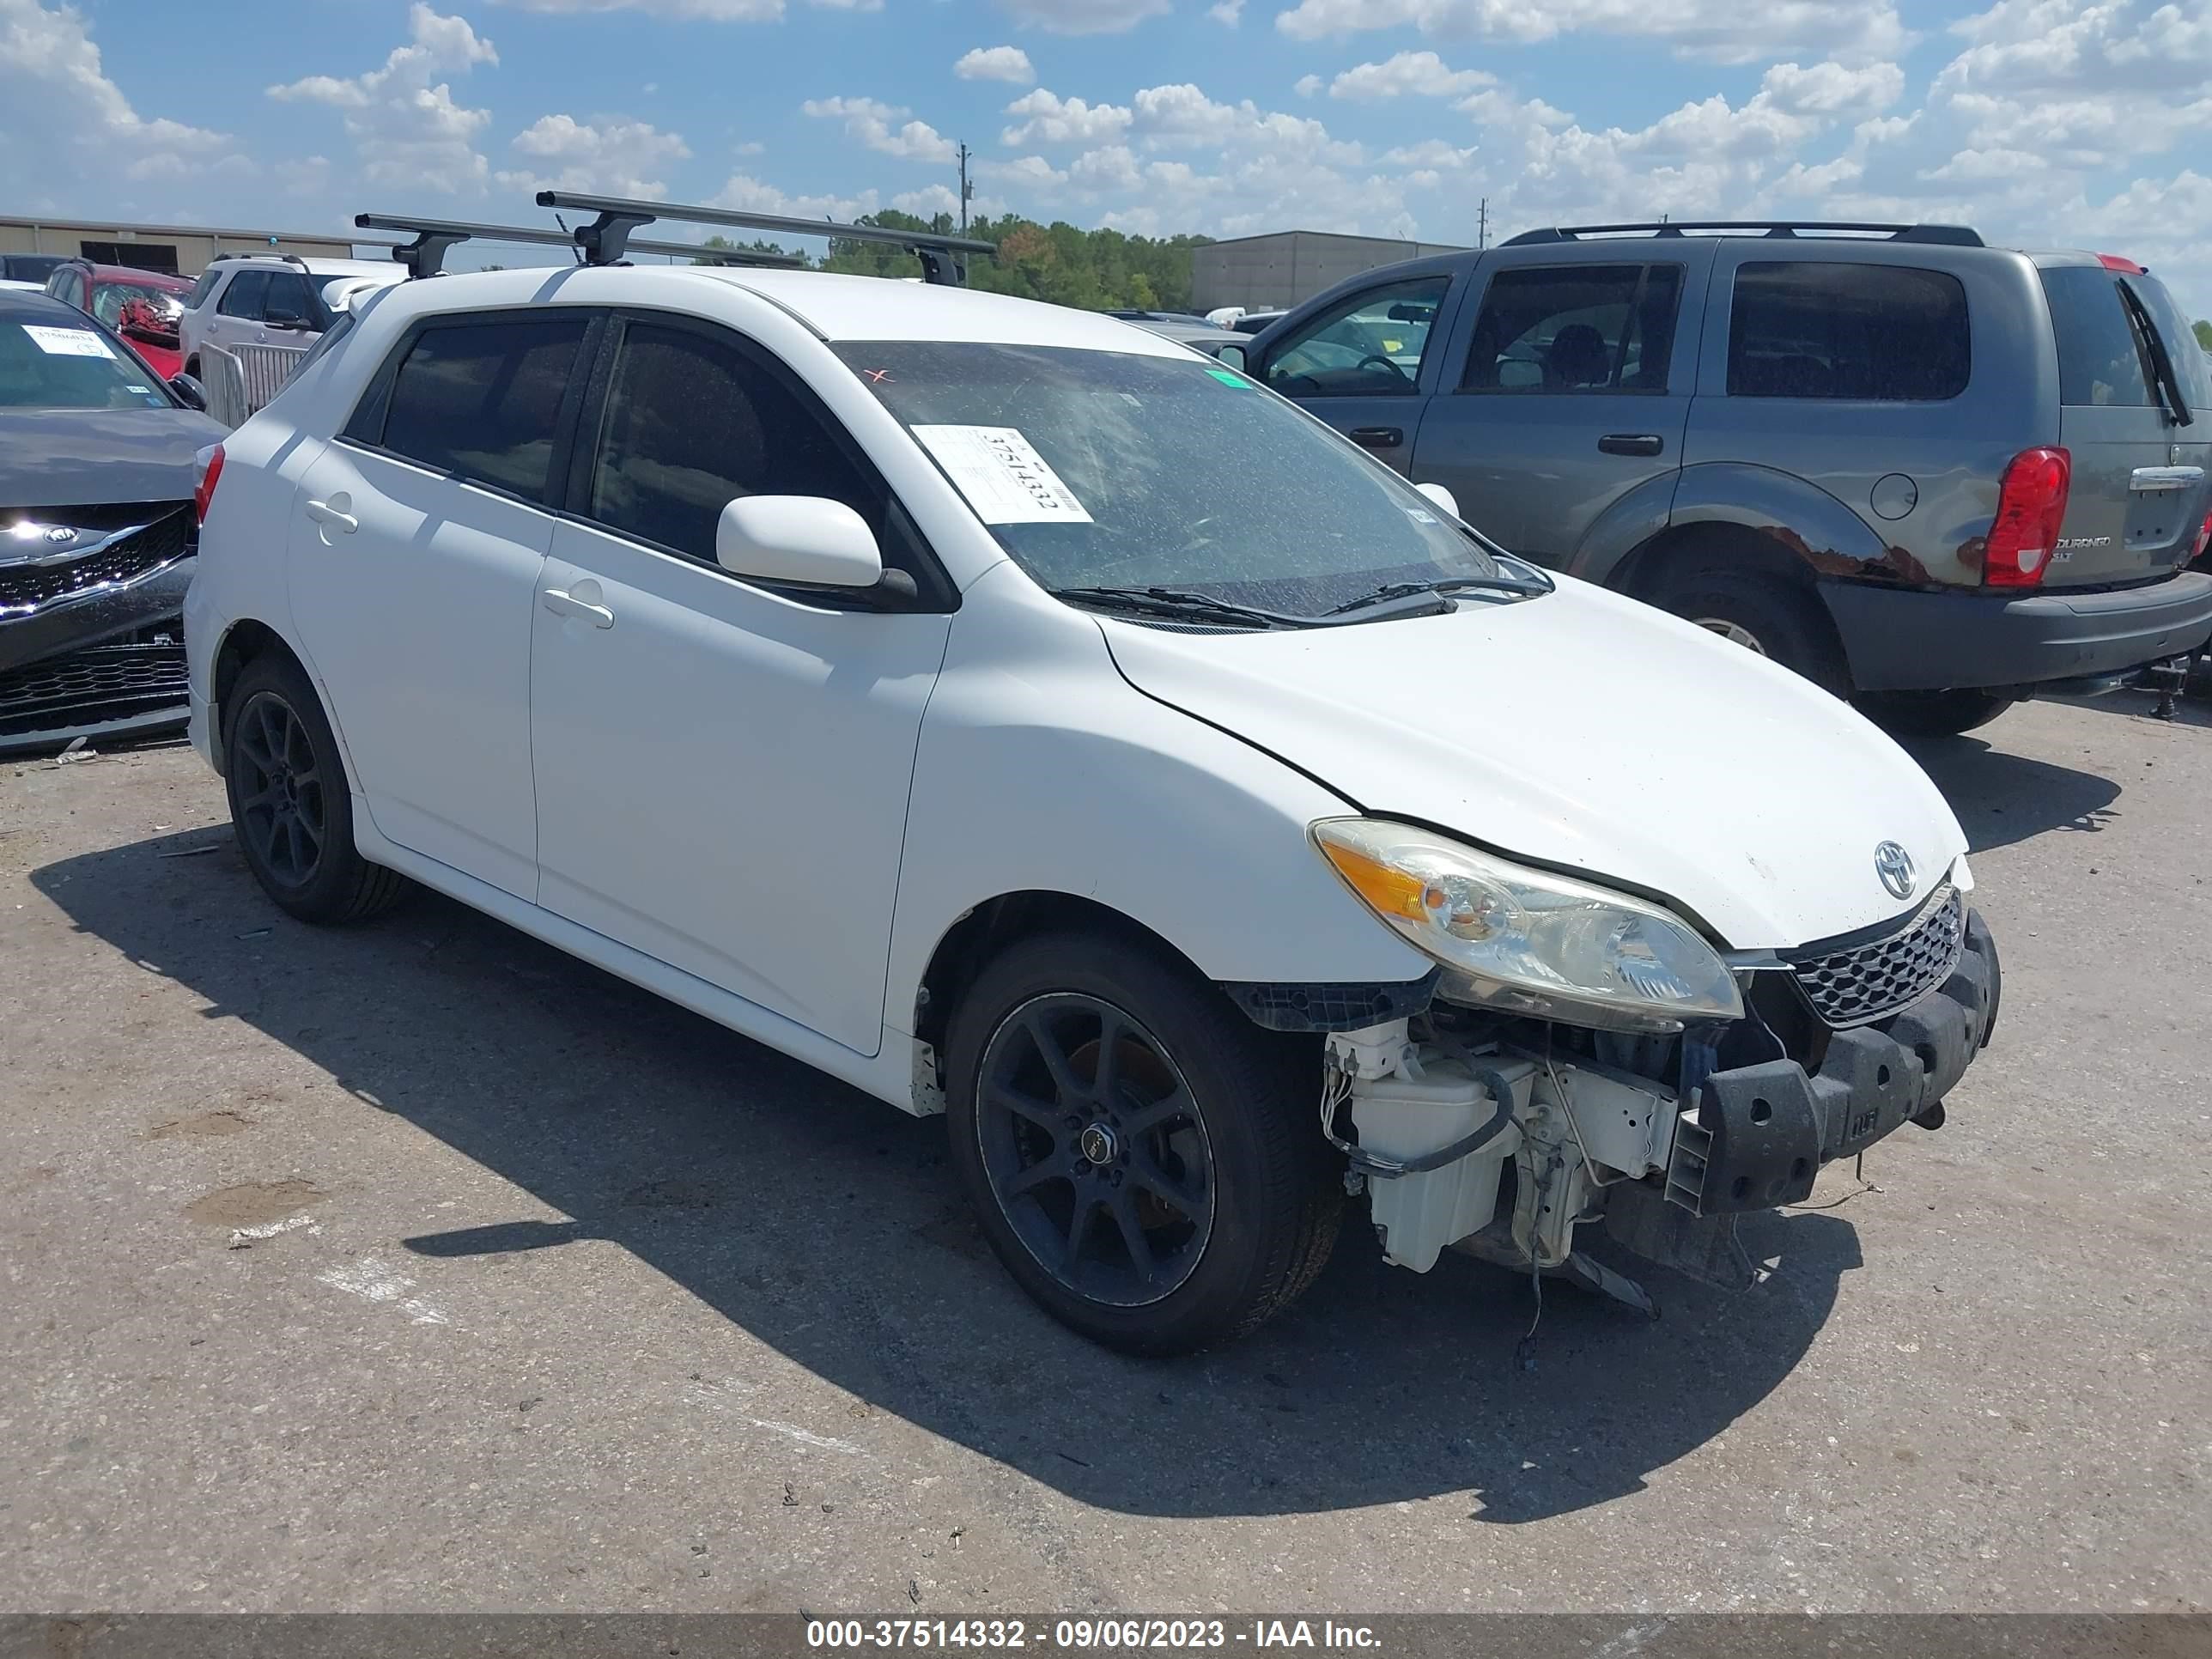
[(1587, 1057)]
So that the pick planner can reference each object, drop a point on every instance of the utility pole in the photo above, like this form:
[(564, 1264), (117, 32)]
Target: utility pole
[(1482, 225), (967, 190)]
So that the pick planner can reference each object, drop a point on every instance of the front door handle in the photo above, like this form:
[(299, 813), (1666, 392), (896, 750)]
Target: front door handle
[(332, 514), (561, 603), (2149, 479), (1377, 437), (1632, 443)]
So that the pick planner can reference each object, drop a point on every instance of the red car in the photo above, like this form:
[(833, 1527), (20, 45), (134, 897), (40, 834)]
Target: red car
[(143, 306)]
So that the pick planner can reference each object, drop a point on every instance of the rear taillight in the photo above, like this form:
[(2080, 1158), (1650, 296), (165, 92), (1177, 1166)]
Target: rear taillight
[(211, 462), (2031, 505), (2203, 538)]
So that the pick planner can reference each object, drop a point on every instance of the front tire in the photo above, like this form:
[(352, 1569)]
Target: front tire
[(289, 801), (1933, 714), (1146, 1162)]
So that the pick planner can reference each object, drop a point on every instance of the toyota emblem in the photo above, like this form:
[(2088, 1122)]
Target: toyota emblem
[(1894, 866)]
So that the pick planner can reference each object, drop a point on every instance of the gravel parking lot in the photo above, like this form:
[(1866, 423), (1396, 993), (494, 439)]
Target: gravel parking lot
[(418, 1266)]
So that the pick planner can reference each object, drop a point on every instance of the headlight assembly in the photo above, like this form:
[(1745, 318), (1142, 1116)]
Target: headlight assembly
[(1523, 942)]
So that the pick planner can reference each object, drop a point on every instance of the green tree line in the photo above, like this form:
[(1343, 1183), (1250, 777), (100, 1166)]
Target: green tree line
[(1095, 270)]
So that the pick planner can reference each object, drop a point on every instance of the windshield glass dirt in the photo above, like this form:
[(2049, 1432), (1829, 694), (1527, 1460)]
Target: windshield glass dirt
[(1101, 469)]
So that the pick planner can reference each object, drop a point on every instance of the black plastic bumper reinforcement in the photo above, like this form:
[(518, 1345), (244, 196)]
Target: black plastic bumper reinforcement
[(1329, 1007), (1756, 1136)]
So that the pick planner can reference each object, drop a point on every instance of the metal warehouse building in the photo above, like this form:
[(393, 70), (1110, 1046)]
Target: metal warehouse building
[(1287, 266), (184, 250)]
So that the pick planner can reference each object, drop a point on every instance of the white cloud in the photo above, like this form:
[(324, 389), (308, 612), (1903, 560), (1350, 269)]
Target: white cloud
[(1182, 114), (928, 202), (1421, 73), (1032, 170), (1307, 85), (709, 11), (609, 156), (405, 126), (748, 194), (1083, 16), (1227, 13), (63, 122), (870, 122), (1008, 64), (1431, 153), (1859, 30), (1048, 118)]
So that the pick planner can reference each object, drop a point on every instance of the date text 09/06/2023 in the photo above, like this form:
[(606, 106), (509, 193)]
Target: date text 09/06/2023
[(1088, 1635)]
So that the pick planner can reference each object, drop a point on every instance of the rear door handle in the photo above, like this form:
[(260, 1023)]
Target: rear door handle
[(1377, 437), (1632, 443), (561, 603), (2149, 479), (333, 516)]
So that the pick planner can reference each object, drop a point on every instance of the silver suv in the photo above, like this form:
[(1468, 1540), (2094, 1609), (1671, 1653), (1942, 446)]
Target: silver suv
[(1935, 475)]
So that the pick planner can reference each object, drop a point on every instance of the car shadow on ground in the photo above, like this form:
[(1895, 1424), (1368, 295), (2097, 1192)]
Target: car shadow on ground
[(826, 1225), (2001, 798)]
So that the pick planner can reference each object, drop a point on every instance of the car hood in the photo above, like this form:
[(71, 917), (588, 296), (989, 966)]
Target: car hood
[(1585, 732), (86, 457)]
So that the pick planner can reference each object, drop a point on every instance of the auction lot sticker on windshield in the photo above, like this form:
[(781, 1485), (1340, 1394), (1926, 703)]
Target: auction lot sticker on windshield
[(66, 342), (1002, 476)]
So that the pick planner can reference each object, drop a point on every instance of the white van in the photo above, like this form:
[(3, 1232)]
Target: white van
[(868, 667)]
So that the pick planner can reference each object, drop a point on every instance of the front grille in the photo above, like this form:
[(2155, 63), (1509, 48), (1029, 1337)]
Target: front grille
[(104, 682), (27, 587), (1850, 987)]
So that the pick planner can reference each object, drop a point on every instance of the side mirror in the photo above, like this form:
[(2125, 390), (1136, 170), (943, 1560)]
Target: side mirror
[(1233, 355), (1441, 496), (807, 539), (189, 392)]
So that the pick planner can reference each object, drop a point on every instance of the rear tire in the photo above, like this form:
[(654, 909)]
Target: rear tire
[(290, 803), (1178, 1206), (1933, 714), (1761, 612)]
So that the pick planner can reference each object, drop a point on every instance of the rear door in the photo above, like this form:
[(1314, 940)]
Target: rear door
[(1569, 389), (238, 310), (2139, 493), (1364, 364)]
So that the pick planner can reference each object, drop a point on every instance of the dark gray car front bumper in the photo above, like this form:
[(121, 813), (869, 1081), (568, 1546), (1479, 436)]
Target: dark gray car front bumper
[(1909, 640)]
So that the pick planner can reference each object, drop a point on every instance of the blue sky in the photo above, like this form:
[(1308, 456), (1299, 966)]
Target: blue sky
[(2044, 122)]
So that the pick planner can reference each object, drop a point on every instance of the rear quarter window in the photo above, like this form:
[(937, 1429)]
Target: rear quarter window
[(1867, 333), (482, 399)]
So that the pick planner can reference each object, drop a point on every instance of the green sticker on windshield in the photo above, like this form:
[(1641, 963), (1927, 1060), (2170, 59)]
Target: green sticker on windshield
[(1229, 377)]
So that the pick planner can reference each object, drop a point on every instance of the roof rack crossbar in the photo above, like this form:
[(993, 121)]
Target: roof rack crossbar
[(435, 238), (604, 239), (1946, 235)]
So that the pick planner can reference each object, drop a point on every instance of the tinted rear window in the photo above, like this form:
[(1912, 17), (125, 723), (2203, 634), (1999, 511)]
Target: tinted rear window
[(2099, 360), (2179, 339), (1862, 333), (482, 400)]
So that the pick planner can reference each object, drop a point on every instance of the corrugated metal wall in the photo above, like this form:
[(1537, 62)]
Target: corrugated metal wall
[(1261, 272)]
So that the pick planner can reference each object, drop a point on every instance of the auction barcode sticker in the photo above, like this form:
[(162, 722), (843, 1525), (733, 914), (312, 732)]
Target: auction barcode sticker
[(1002, 475), (66, 342)]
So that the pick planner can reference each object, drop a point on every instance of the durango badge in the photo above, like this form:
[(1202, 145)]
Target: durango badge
[(1894, 866)]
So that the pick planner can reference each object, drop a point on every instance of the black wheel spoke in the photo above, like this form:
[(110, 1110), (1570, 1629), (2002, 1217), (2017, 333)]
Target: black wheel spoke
[(1106, 1076), (1042, 1112), (1186, 1199), (1047, 1044), (1078, 1225), (1162, 1112), (1055, 1168), (1133, 1234)]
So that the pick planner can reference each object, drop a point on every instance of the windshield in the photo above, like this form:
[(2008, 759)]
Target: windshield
[(2180, 341), (1102, 469), (62, 366), (160, 307)]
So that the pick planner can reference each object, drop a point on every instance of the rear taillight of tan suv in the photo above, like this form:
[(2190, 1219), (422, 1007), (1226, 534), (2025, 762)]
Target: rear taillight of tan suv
[(2031, 506)]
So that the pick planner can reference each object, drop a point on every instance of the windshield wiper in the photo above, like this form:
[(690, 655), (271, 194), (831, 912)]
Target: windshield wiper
[(2161, 363), (1181, 602), (1384, 595)]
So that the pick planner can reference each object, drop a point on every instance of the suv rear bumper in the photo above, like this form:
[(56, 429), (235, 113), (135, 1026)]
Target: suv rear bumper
[(1907, 639)]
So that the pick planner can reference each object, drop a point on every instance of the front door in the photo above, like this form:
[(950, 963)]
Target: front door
[(417, 544), (1360, 363), (1566, 399), (723, 768)]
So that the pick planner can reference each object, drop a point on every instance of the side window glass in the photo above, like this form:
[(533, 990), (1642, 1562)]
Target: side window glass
[(1869, 333), (245, 296), (1368, 346), (482, 399), (2100, 360), (288, 297), (692, 423), (1567, 329), (202, 288)]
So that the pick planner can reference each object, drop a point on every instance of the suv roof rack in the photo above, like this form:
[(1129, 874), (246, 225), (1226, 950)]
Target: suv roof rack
[(262, 253), (606, 237), (433, 238), (1946, 235)]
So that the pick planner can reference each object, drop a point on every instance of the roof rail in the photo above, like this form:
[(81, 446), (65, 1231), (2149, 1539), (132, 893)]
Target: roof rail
[(433, 238), (1946, 235), (606, 237), (262, 253)]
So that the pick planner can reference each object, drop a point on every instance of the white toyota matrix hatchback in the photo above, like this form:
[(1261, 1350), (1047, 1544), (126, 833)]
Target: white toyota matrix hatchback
[(1021, 717)]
